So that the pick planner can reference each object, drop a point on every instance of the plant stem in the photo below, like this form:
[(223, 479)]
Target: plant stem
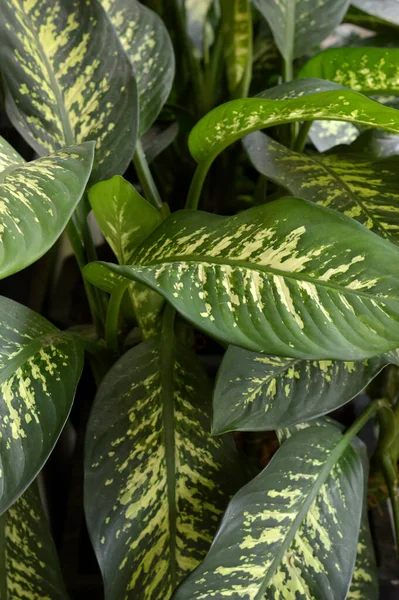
[(197, 184), (112, 321), (392, 480), (145, 177), (370, 411), (302, 136)]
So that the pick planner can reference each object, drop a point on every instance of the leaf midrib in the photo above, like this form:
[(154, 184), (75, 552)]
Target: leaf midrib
[(319, 482), (262, 269)]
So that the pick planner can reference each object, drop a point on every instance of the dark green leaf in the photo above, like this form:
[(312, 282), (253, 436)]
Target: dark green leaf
[(161, 482), (292, 531), (366, 70), (299, 25), (39, 370), (360, 187), (68, 79), (28, 558), (288, 278), (149, 48), (255, 392), (37, 200)]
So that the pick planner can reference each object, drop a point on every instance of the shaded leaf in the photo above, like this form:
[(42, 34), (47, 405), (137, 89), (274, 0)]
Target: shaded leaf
[(29, 566), (37, 200), (149, 48), (366, 70), (67, 79), (384, 9), (299, 25), (158, 138), (360, 187), (160, 480), (255, 392), (305, 100), (279, 278), (40, 367), (292, 531), (196, 12), (237, 32)]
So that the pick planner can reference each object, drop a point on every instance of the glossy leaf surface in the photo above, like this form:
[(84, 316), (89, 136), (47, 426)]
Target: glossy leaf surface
[(29, 567), (299, 25), (39, 370), (359, 186), (37, 200), (304, 100), (292, 531), (255, 392), (195, 13), (68, 80), (366, 70), (280, 278), (383, 9), (149, 48), (161, 482)]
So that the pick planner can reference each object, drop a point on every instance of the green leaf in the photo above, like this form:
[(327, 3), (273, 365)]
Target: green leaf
[(376, 144), (299, 25), (327, 134), (161, 482), (29, 566), (281, 278), (237, 32), (40, 367), (255, 392), (67, 80), (384, 9), (149, 48), (291, 532), (366, 70), (37, 200), (359, 186), (304, 100), (196, 12), (102, 278), (126, 219)]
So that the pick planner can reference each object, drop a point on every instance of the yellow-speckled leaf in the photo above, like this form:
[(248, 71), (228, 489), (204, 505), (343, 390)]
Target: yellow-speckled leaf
[(29, 568), (39, 370), (148, 45), (37, 200), (292, 531), (303, 100), (126, 219), (68, 79), (300, 25), (161, 482), (359, 186), (255, 392), (281, 278), (366, 70), (237, 31)]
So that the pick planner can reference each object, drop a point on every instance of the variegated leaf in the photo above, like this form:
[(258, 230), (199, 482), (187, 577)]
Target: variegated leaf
[(366, 70), (300, 25), (324, 135), (149, 48), (281, 278), (37, 200), (161, 482), (39, 370), (304, 100), (237, 32), (29, 568), (383, 9), (255, 392), (126, 219), (68, 79), (292, 531), (360, 187), (196, 12)]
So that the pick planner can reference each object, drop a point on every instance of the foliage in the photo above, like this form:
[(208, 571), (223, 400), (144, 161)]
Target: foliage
[(122, 120)]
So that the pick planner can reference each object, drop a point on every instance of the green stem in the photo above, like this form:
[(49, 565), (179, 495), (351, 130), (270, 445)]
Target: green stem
[(302, 136), (112, 320), (391, 477), (96, 308), (197, 183), (145, 177), (288, 71), (370, 411)]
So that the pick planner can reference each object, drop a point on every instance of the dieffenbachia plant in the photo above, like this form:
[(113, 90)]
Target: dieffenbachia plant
[(248, 283)]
